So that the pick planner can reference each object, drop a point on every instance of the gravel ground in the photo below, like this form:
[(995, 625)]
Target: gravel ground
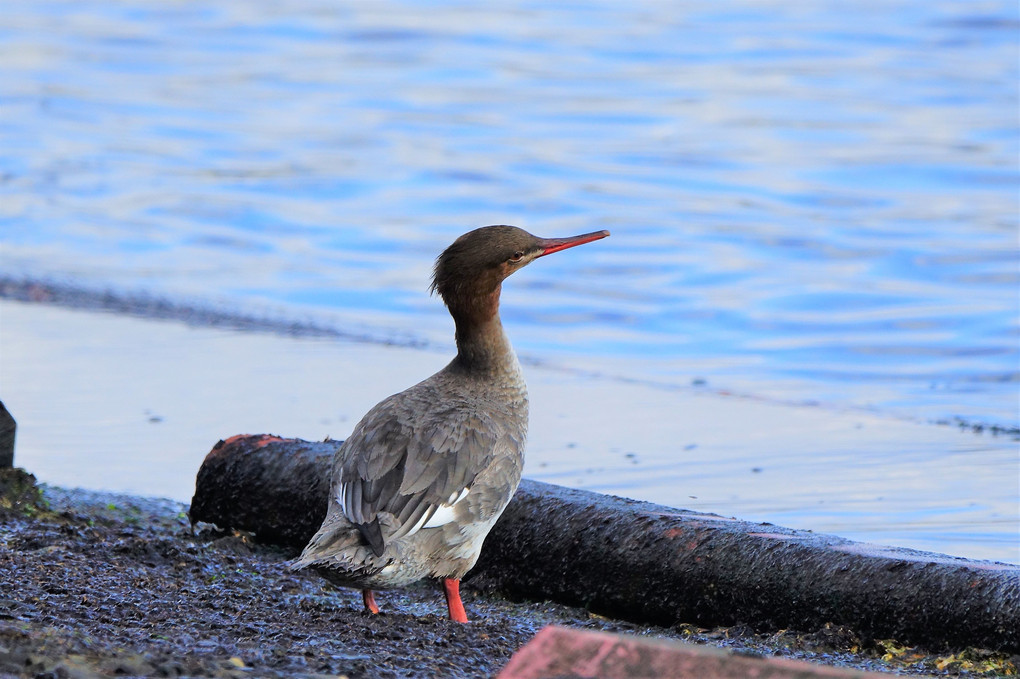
[(98, 584)]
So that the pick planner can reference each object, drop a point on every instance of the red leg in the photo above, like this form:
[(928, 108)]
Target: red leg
[(369, 597), (451, 586)]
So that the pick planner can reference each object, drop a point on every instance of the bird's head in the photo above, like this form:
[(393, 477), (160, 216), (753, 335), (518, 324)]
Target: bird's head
[(475, 265)]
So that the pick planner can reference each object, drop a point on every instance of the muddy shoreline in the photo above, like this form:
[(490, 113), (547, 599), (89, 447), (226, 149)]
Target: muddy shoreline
[(648, 563), (100, 584)]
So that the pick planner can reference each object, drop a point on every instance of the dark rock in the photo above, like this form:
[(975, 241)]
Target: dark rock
[(558, 652), (7, 429)]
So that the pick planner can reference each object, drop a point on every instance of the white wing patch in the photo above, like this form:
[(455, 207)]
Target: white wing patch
[(341, 497), (444, 513)]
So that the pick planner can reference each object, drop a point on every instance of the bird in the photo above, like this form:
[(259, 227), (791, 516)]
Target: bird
[(426, 473)]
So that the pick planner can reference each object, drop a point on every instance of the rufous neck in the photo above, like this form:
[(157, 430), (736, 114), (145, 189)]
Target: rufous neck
[(482, 345)]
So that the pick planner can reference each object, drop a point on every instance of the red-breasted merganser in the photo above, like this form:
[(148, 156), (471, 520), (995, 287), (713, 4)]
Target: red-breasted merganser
[(423, 477)]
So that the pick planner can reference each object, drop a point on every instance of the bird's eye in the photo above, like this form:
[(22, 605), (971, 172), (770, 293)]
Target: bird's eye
[(518, 256)]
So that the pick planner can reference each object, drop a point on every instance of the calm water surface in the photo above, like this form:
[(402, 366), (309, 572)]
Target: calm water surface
[(809, 201)]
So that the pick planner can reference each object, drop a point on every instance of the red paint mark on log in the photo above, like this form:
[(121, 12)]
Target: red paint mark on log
[(266, 439), (557, 651), (255, 441)]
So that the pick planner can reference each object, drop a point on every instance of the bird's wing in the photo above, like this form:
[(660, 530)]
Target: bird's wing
[(414, 466)]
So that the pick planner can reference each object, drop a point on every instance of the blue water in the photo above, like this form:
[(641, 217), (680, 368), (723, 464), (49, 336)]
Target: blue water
[(809, 201)]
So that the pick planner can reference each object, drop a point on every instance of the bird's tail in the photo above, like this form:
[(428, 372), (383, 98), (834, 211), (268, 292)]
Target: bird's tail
[(335, 538)]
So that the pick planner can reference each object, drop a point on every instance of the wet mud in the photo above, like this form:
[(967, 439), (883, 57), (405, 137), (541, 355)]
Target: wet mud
[(101, 585)]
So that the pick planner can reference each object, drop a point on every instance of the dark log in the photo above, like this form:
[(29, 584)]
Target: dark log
[(653, 564), (639, 561), (272, 487)]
